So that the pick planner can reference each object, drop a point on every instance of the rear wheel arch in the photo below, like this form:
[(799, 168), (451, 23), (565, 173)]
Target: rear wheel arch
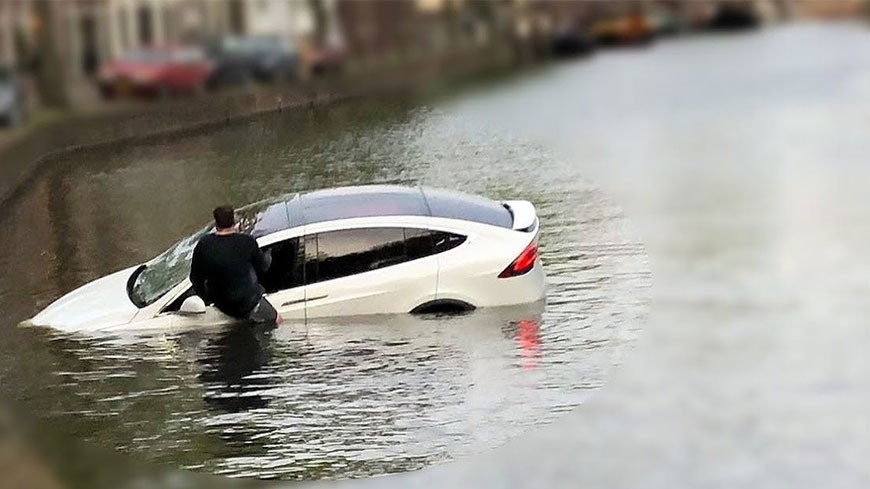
[(449, 306)]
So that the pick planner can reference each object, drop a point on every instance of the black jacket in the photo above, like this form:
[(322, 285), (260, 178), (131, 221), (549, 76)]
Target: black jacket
[(225, 271)]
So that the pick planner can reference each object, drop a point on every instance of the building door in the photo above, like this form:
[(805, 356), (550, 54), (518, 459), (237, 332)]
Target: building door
[(90, 54)]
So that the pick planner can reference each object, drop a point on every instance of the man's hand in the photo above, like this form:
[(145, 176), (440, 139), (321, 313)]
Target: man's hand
[(267, 259)]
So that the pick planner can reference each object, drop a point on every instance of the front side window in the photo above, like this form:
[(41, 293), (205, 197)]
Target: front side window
[(286, 270)]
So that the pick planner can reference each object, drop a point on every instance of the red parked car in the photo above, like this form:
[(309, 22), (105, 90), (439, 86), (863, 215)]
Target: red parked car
[(159, 72), (328, 59)]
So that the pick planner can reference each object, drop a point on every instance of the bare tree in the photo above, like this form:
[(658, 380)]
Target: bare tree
[(50, 79), (320, 20)]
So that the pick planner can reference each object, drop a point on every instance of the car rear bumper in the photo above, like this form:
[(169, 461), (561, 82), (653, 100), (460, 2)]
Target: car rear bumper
[(127, 87), (491, 291)]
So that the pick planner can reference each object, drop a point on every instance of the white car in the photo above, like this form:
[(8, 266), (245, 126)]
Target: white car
[(339, 252)]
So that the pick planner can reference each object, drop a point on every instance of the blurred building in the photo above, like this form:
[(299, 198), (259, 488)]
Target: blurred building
[(89, 32), (372, 27), (98, 30), (86, 33), (830, 9), (16, 28)]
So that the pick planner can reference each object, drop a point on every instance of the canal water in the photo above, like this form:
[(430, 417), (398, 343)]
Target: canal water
[(738, 163), (742, 161), (324, 400)]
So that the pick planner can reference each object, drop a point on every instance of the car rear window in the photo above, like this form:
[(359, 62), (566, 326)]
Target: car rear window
[(456, 205), (146, 56)]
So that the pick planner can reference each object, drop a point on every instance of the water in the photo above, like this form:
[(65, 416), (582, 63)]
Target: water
[(742, 161), (329, 399), (741, 164)]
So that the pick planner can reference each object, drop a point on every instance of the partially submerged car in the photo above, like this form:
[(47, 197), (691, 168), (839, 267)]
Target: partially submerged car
[(340, 252)]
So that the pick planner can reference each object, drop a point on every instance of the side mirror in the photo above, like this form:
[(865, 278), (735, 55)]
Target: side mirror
[(192, 305)]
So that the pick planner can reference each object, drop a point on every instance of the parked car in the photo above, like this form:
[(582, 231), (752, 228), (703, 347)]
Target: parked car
[(571, 42), (158, 72), (340, 252), (327, 59), (735, 15), (13, 102), (256, 58), (624, 30), (665, 23)]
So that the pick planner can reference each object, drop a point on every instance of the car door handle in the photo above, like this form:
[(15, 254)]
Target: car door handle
[(297, 301)]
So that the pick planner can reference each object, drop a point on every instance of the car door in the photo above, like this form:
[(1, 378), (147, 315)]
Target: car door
[(284, 280), (370, 270)]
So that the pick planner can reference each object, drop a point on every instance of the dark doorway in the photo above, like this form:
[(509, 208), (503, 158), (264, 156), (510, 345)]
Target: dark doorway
[(145, 19), (237, 17), (90, 55)]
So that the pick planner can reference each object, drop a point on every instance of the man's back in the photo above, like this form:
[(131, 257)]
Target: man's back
[(225, 270)]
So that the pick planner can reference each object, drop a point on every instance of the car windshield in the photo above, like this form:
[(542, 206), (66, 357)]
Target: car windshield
[(231, 45), (163, 273), (240, 45), (146, 56)]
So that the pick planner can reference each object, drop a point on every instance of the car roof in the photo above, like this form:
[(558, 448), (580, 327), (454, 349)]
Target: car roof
[(289, 211)]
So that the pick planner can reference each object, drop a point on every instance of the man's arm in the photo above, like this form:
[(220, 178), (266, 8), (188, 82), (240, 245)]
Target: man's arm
[(261, 261), (197, 274)]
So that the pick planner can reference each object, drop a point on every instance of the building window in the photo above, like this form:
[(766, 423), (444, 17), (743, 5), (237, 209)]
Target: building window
[(123, 30)]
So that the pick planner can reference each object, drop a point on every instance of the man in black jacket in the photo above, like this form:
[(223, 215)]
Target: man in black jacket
[(226, 269)]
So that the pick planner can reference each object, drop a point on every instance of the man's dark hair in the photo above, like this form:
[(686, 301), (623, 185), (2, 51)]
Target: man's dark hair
[(224, 217)]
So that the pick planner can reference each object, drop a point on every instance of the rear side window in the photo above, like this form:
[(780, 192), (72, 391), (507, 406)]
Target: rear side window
[(337, 254), (352, 251), (443, 241), (418, 243)]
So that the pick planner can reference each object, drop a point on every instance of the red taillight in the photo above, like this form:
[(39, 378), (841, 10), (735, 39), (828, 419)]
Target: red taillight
[(523, 263)]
